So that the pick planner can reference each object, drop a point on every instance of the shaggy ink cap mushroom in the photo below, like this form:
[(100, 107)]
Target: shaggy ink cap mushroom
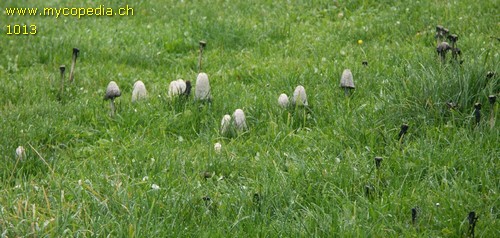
[(299, 96), (492, 99), (112, 91), (378, 161), (283, 100), (347, 81)]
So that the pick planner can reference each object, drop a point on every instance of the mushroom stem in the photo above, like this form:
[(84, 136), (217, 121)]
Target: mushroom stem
[(202, 46), (477, 112), (492, 99), (73, 63), (346, 91), (112, 106), (62, 68), (402, 132)]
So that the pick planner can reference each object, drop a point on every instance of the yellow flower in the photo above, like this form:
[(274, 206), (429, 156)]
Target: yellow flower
[(360, 42)]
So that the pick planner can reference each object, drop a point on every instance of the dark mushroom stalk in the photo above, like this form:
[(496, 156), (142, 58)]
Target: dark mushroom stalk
[(378, 161), (414, 213), (112, 92), (187, 92), (439, 34), (403, 131), (62, 68), (477, 112), (442, 49), (76, 51), (202, 47), (472, 222), (492, 99), (455, 51)]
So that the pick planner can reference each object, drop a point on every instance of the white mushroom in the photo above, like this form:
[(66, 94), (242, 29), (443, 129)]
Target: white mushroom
[(139, 92), (218, 147), (299, 96), (112, 92), (179, 87), (283, 100), (225, 125), (202, 88), (20, 153), (347, 81), (239, 120)]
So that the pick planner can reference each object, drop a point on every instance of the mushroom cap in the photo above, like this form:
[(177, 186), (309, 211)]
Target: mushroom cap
[(203, 43), (299, 96), (477, 106), (439, 28), (239, 119), (283, 100), (453, 37), (202, 87), (181, 84), (347, 81), (224, 124), (62, 68), (217, 147), (492, 99), (20, 152), (139, 91), (112, 91), (177, 87), (443, 47)]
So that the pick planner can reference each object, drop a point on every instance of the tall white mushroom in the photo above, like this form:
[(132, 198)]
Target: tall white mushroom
[(283, 100), (347, 81), (20, 153), (225, 125), (299, 96), (139, 92), (202, 88), (239, 120), (112, 92)]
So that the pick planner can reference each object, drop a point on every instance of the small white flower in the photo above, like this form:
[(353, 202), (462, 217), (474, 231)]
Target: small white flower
[(239, 119), (283, 100), (202, 88), (155, 187), (218, 147), (299, 96), (139, 92), (20, 153)]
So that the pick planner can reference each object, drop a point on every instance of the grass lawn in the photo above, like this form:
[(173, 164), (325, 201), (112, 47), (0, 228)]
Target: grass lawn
[(151, 169)]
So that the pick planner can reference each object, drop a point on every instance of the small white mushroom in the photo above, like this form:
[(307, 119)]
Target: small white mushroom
[(217, 147), (112, 92), (139, 92), (239, 120), (202, 88), (173, 89), (283, 100), (179, 87), (20, 153), (225, 124), (299, 96), (347, 81)]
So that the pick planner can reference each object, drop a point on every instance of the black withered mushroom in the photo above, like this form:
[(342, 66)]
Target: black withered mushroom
[(76, 51)]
